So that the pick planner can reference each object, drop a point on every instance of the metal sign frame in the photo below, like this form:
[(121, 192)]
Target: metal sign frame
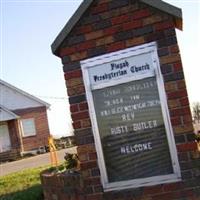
[(150, 48)]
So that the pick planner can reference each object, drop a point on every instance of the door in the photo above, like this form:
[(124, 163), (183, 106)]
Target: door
[(5, 144)]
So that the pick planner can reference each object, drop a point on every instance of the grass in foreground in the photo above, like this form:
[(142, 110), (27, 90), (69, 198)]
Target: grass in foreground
[(24, 185)]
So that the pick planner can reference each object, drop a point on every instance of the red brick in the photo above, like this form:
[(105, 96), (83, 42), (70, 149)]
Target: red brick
[(172, 187), (155, 36), (174, 49), (73, 74), (67, 51), (170, 32), (85, 173), (120, 19), (189, 193), (104, 41), (86, 148), (94, 35), (184, 101), (177, 67), (82, 157), (164, 25), (100, 8), (85, 46), (104, 1), (177, 94), (170, 59), (135, 41), (116, 46), (183, 156), (74, 82), (132, 25), (187, 119), (83, 106), (164, 196), (95, 197), (84, 29), (141, 14), (182, 194), (112, 30), (163, 51), (176, 121), (78, 56), (88, 165), (86, 123), (92, 156), (171, 86), (93, 181), (130, 8), (181, 84), (180, 111), (192, 146), (152, 19), (77, 125), (153, 189), (74, 108), (76, 90), (184, 128), (80, 115)]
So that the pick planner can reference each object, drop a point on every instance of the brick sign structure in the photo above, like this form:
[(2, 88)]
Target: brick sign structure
[(128, 101)]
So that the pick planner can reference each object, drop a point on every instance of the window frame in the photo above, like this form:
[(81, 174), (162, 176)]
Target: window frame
[(24, 135), (111, 57)]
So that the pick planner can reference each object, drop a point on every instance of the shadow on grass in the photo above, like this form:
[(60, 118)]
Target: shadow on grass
[(32, 193)]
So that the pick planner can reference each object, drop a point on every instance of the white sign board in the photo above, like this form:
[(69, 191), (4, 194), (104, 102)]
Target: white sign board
[(130, 119)]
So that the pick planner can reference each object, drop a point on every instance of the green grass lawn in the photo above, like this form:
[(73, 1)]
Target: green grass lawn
[(24, 185)]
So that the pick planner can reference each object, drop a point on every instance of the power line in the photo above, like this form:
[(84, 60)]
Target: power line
[(52, 97)]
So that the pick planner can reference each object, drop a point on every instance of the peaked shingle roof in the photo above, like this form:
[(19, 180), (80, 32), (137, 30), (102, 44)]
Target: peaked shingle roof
[(158, 4)]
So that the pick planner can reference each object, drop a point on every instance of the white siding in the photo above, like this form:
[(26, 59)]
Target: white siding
[(5, 116), (14, 100)]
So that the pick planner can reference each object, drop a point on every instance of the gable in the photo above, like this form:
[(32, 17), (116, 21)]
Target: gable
[(173, 11), (13, 98)]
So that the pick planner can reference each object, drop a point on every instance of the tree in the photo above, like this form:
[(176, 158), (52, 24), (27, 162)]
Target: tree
[(196, 112)]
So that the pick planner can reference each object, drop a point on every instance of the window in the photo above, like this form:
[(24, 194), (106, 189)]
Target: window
[(130, 118), (28, 127)]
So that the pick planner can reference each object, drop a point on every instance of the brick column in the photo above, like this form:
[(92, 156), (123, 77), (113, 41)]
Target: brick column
[(108, 26)]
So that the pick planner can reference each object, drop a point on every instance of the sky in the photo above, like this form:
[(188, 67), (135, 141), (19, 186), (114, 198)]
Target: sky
[(28, 28)]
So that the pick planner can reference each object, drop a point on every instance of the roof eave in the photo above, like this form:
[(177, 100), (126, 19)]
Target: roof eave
[(70, 24), (167, 8)]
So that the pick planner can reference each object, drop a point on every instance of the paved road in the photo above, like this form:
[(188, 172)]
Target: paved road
[(35, 161)]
